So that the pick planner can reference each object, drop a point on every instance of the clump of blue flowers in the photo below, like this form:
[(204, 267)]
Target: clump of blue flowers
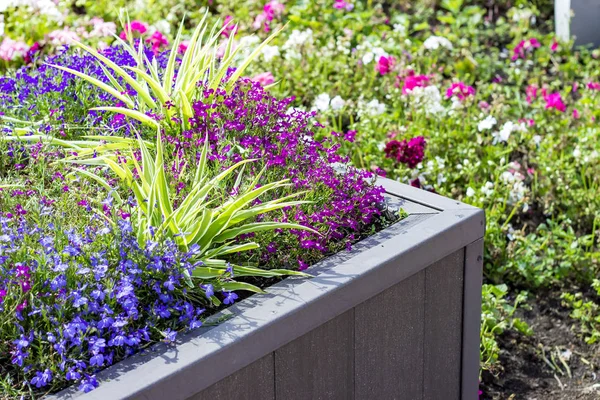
[(75, 302)]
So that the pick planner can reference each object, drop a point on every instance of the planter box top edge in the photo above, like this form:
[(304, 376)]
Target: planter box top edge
[(436, 226)]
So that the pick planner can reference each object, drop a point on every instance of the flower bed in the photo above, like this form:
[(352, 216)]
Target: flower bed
[(504, 113), (93, 272)]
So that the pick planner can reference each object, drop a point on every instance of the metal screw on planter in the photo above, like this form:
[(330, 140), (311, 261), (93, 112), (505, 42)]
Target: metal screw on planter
[(578, 18)]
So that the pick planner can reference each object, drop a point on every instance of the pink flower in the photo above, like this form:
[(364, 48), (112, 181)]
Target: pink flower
[(554, 45), (343, 5), (12, 49), (266, 78), (385, 64), (135, 26), (413, 81), (157, 40), (593, 86), (554, 100), (528, 122), (575, 114), (230, 27), (101, 28), (273, 9), (183, 46), (531, 93), (484, 105), (524, 47), (460, 90), (62, 37)]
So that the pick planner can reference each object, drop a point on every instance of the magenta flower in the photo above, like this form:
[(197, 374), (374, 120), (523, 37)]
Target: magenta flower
[(593, 86), (460, 90), (183, 46), (271, 10), (157, 40), (385, 64), (230, 26), (266, 78), (413, 81), (554, 45), (554, 100), (524, 47), (406, 152), (575, 114), (343, 5), (135, 26)]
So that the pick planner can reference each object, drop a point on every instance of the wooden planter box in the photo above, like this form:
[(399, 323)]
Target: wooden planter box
[(395, 318), (578, 18)]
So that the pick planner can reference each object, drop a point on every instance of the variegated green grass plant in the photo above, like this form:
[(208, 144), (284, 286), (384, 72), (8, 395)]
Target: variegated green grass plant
[(196, 221), (173, 94)]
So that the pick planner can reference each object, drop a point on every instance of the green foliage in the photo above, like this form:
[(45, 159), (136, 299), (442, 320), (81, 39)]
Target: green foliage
[(497, 316), (586, 311)]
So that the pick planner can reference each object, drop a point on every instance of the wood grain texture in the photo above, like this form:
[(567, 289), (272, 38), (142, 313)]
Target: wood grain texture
[(389, 342), (254, 382), (443, 328), (320, 364)]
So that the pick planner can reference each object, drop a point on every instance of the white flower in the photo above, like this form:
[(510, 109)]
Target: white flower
[(488, 188), (537, 139), (163, 26), (322, 102), (296, 40), (337, 103), (374, 107), (428, 99), (400, 29), (523, 14), (270, 52), (470, 192), (576, 152), (372, 52), (434, 42), (506, 130), (486, 123)]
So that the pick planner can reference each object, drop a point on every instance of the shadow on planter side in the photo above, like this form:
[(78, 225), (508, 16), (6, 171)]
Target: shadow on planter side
[(395, 318)]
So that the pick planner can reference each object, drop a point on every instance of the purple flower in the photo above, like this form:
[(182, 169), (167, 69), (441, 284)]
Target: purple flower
[(97, 360), (209, 291), (230, 297), (88, 384), (41, 379)]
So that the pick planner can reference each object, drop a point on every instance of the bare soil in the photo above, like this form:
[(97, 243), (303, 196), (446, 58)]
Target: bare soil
[(529, 373)]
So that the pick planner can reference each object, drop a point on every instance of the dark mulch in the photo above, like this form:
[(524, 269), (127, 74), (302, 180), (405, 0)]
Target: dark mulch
[(527, 376)]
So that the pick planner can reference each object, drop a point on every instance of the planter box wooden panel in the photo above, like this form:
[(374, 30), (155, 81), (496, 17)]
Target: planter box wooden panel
[(390, 331), (319, 364), (252, 382), (395, 318), (443, 327)]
